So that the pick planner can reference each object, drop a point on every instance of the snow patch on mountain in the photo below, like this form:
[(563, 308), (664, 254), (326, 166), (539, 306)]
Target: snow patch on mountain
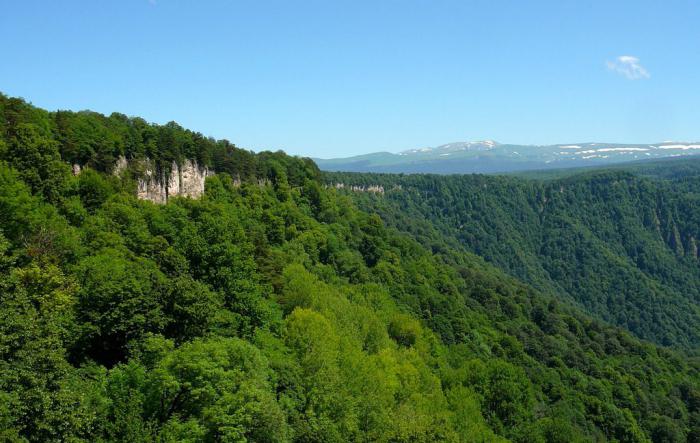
[(621, 149), (456, 146), (683, 147)]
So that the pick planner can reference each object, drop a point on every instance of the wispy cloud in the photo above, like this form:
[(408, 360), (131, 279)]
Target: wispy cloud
[(628, 66)]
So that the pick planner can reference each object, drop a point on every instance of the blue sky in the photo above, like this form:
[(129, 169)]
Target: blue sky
[(337, 78)]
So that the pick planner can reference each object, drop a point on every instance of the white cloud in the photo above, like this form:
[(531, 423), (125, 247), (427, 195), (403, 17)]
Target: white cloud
[(628, 66)]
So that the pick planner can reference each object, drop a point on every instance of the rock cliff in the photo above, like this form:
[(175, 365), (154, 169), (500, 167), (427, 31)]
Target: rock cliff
[(377, 189), (184, 180)]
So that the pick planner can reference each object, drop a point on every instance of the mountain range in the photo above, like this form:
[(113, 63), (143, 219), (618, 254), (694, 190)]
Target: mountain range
[(489, 156)]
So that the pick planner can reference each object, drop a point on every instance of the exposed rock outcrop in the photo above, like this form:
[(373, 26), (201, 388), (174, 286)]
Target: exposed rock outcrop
[(120, 165), (378, 189), (185, 180)]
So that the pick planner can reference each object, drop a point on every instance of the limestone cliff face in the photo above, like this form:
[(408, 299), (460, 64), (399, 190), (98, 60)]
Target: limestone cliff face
[(377, 189), (185, 180)]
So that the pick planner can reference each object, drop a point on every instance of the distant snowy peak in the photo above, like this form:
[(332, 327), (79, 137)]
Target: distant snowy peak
[(483, 145), (676, 145), (589, 148), (552, 153), (487, 156)]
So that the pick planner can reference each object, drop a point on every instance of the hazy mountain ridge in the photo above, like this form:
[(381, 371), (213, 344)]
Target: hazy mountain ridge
[(489, 156)]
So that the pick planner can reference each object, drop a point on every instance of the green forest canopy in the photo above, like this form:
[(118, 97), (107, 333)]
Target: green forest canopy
[(622, 244), (277, 310)]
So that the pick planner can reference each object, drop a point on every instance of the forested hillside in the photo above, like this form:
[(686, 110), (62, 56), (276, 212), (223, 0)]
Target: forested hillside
[(623, 246), (273, 309)]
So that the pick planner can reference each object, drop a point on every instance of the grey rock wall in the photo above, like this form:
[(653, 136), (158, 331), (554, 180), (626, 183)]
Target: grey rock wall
[(185, 180)]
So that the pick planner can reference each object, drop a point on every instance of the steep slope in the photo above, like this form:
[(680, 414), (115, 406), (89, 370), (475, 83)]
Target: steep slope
[(272, 309), (623, 247)]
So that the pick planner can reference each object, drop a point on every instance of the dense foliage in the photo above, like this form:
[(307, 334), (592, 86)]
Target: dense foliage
[(623, 246), (272, 309)]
